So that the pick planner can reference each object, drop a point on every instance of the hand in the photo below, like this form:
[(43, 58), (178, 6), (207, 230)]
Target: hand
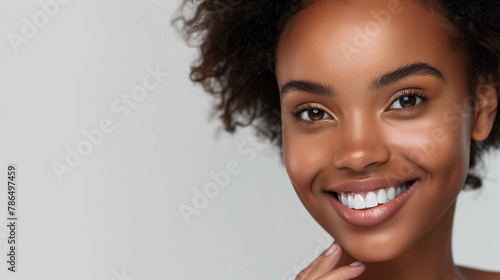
[(323, 267)]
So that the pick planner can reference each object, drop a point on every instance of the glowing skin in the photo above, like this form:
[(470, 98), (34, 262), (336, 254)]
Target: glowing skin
[(366, 132)]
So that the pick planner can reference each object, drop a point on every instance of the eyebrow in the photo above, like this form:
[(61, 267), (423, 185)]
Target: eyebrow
[(415, 69), (389, 78), (307, 86)]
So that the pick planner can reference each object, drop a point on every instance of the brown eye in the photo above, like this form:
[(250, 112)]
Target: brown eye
[(406, 102), (314, 114)]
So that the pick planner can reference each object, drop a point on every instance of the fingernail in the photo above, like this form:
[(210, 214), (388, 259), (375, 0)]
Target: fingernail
[(357, 263), (332, 249)]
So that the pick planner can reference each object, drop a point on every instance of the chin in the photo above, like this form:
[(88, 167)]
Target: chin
[(375, 248), (374, 255)]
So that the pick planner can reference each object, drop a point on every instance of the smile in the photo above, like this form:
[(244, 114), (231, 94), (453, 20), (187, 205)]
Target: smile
[(370, 202), (371, 199)]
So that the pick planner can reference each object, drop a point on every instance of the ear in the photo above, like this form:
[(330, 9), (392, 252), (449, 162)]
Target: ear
[(485, 110)]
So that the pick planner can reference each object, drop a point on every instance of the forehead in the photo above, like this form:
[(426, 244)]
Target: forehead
[(362, 37)]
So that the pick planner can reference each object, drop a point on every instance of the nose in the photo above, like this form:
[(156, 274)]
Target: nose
[(360, 145)]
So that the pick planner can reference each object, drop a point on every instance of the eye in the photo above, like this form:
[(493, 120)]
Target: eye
[(407, 100), (313, 114)]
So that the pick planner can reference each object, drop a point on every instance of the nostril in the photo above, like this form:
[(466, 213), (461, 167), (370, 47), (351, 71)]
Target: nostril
[(361, 155)]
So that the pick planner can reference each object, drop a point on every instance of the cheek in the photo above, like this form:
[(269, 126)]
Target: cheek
[(439, 150), (436, 148), (442, 148), (448, 166), (451, 154), (305, 156)]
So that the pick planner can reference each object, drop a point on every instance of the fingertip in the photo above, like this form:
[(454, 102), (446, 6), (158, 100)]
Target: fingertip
[(334, 248), (356, 263), (351, 271), (357, 268)]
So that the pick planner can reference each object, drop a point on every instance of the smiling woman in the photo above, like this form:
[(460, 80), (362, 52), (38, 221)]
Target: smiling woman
[(380, 120)]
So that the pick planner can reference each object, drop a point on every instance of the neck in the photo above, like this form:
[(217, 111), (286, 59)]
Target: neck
[(429, 258)]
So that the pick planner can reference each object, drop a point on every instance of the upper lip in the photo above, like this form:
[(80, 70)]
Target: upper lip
[(366, 185)]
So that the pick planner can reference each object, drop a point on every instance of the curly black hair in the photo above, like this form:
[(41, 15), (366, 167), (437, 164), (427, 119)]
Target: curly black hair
[(237, 41)]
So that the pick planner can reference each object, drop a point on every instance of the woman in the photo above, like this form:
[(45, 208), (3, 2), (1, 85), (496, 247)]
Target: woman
[(385, 107)]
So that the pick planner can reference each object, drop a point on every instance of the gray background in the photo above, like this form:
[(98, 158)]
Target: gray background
[(116, 215)]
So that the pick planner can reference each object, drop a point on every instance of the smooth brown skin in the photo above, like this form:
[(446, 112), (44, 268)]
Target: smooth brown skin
[(362, 137)]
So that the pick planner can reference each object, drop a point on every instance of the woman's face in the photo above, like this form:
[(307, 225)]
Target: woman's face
[(374, 96)]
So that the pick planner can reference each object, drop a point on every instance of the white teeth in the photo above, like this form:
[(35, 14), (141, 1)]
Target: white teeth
[(398, 191), (343, 199), (371, 200), (391, 194), (382, 197), (359, 202)]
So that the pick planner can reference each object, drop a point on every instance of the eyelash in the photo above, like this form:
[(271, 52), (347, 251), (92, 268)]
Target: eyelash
[(409, 93), (297, 112), (404, 93)]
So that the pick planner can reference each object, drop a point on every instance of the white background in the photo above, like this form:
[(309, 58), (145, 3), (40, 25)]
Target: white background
[(116, 215)]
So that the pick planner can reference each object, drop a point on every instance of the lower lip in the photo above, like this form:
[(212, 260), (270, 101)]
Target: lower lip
[(372, 216)]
